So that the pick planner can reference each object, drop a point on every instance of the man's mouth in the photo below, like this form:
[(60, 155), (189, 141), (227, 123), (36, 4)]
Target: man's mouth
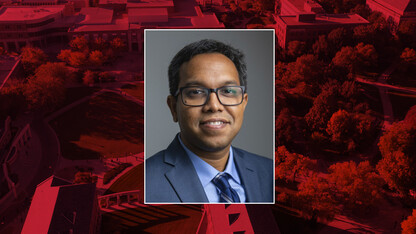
[(214, 123)]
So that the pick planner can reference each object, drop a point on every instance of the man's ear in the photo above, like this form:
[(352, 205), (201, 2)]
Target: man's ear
[(245, 100), (171, 100)]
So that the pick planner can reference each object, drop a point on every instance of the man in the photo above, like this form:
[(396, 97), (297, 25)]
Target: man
[(207, 81)]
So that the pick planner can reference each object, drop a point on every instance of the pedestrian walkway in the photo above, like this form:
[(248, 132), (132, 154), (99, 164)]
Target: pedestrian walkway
[(383, 89)]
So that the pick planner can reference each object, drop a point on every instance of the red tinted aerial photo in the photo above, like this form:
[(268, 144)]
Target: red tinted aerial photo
[(72, 116)]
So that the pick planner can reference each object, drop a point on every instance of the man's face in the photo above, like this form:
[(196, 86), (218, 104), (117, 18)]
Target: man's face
[(213, 126)]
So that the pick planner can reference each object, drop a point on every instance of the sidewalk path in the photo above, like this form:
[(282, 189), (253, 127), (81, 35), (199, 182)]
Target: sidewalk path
[(383, 89)]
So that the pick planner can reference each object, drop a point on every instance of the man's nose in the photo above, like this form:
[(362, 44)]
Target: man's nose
[(213, 104)]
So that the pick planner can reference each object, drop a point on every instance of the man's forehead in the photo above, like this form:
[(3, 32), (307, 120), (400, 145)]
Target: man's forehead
[(199, 82), (209, 67)]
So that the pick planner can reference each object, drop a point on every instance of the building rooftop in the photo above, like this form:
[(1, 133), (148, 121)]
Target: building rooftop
[(103, 2), (325, 19), (139, 15), (300, 4), (58, 206), (115, 25), (146, 12), (95, 15), (23, 13), (149, 3), (44, 1)]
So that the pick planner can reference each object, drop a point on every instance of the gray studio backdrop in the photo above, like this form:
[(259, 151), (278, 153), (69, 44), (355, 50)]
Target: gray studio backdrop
[(257, 133)]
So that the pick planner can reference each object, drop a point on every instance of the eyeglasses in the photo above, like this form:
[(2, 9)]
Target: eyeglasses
[(199, 96)]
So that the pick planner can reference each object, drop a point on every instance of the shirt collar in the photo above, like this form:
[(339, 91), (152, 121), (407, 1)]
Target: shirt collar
[(207, 172)]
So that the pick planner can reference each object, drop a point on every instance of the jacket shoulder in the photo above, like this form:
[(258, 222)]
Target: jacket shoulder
[(254, 159)]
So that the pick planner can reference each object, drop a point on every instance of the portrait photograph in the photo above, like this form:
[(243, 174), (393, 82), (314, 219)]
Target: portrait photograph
[(209, 116)]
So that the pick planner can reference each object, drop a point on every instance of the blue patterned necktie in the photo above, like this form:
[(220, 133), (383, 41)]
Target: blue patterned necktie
[(228, 194)]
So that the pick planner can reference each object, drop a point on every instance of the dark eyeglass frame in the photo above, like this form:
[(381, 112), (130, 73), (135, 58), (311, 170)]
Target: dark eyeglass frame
[(209, 92)]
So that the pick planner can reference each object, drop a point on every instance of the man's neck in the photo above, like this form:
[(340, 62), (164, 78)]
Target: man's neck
[(217, 159)]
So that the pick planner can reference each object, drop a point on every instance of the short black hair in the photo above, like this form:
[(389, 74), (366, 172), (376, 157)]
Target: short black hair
[(206, 46)]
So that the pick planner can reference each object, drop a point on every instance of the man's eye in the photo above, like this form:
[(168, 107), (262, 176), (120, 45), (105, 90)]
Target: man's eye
[(195, 92), (229, 91)]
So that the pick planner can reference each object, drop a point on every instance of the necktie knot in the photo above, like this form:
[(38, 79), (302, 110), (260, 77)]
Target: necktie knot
[(227, 193)]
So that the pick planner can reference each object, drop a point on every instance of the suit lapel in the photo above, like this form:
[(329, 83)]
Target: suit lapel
[(249, 177), (182, 176)]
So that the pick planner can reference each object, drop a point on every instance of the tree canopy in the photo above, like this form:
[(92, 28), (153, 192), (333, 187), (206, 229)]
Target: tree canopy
[(398, 163)]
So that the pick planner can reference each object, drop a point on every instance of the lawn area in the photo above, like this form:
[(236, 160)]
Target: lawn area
[(401, 103), (402, 79), (153, 219), (76, 93), (135, 90), (103, 127), (132, 180)]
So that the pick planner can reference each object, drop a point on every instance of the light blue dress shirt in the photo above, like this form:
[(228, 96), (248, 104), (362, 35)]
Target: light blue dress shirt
[(207, 172)]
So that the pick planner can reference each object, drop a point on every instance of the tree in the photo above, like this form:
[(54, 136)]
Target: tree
[(44, 92), (356, 59), (308, 69), (99, 44), (284, 128), (407, 60), (324, 105), (357, 186), (289, 165), (64, 55), (78, 59), (79, 43), (364, 33), (32, 58), (340, 127), (117, 44), (89, 78), (407, 33), (351, 130), (409, 225), (97, 58), (55, 70), (398, 163), (267, 5), (346, 58), (362, 10), (316, 199), (85, 178), (320, 47), (338, 38), (366, 56), (296, 48), (408, 55), (12, 99), (411, 116)]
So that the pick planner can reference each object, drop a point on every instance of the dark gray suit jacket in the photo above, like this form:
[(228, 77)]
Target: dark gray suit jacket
[(171, 177)]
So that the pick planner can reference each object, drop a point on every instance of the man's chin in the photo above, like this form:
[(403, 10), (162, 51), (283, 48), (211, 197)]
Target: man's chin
[(214, 146)]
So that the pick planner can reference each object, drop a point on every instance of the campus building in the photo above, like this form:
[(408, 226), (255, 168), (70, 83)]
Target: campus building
[(38, 25), (307, 27), (395, 11), (58, 206), (294, 7), (129, 26), (33, 25)]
